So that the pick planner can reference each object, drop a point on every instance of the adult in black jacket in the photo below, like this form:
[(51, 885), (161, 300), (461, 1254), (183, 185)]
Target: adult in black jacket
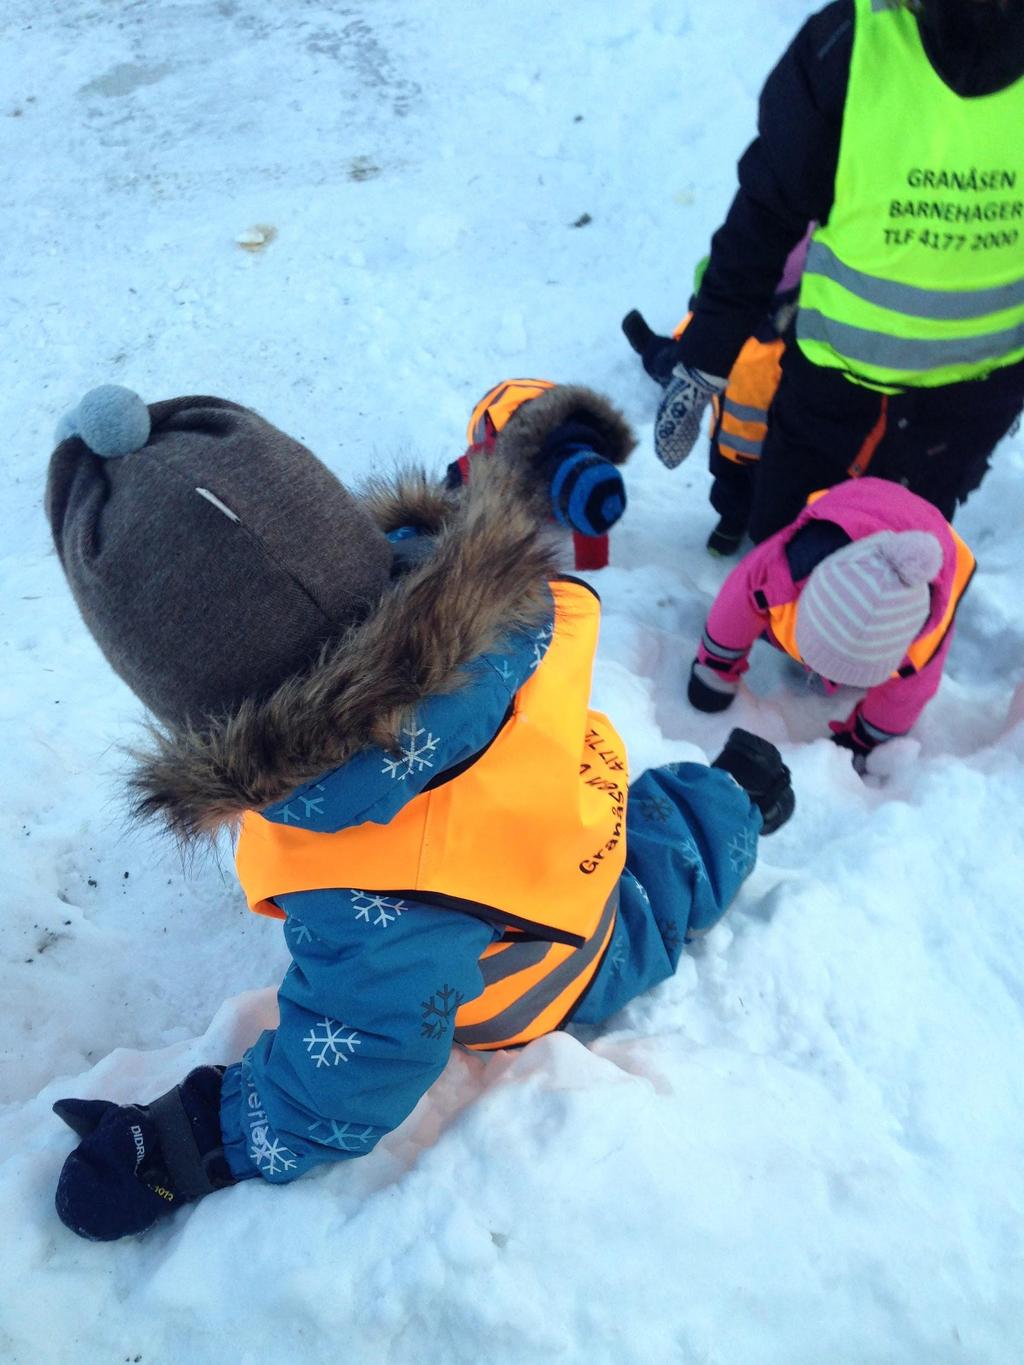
[(824, 425)]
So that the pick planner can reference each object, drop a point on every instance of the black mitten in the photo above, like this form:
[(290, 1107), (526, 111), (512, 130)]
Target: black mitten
[(658, 354), (138, 1162), (758, 767), (856, 741)]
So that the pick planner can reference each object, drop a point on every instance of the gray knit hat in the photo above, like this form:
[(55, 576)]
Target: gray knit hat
[(211, 555), (864, 605)]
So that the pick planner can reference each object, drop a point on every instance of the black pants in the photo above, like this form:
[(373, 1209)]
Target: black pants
[(937, 442), (732, 493)]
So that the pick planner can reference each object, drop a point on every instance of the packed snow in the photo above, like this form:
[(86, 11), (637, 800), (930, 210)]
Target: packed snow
[(356, 217)]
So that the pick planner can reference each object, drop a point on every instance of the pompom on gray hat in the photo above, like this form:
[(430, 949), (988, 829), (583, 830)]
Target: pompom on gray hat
[(863, 606), (211, 556)]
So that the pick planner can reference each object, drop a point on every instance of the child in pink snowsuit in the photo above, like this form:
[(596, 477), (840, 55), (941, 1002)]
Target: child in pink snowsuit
[(861, 588)]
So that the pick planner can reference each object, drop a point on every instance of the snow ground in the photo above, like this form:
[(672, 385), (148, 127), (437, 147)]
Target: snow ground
[(807, 1146)]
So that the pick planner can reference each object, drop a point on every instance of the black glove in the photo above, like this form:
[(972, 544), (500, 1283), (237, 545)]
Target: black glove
[(138, 1162), (850, 739), (758, 767), (658, 354)]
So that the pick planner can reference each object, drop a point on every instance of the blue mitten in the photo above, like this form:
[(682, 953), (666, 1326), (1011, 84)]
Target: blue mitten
[(586, 490), (138, 1162), (587, 493)]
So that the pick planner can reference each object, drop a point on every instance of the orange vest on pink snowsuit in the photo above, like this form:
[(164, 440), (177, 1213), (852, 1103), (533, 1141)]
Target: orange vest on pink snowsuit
[(783, 617)]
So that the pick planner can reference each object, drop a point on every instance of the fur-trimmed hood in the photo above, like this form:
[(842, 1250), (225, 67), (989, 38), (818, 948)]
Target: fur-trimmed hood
[(523, 437), (493, 555)]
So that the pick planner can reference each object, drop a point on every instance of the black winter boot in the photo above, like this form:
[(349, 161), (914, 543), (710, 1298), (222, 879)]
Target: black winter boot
[(727, 537), (758, 767)]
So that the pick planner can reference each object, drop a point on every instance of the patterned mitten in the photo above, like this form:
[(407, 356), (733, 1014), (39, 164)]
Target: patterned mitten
[(138, 1162), (677, 424)]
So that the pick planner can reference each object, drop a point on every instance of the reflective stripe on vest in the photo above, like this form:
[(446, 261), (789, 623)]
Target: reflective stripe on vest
[(923, 649), (918, 277), (530, 987), (531, 835), (753, 380), (498, 405)]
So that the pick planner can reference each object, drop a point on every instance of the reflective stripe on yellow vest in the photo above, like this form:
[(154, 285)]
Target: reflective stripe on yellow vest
[(530, 836), (918, 277), (923, 649), (740, 415), (498, 405)]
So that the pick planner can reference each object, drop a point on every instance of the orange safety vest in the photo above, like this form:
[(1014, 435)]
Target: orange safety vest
[(740, 414), (922, 650), (530, 836)]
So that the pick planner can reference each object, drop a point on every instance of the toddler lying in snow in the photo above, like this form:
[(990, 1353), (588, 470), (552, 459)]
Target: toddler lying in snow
[(862, 588), (388, 698)]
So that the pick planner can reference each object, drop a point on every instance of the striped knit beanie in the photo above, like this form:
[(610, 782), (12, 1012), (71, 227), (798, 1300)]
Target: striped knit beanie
[(864, 605)]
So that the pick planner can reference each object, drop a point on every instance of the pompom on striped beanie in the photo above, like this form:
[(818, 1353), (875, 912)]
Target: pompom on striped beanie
[(864, 605)]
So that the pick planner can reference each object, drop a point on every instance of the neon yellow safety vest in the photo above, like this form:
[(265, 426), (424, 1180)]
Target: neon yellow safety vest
[(917, 279)]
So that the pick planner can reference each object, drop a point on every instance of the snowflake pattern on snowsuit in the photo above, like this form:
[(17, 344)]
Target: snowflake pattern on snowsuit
[(270, 1157), (541, 641), (414, 755), (385, 909), (654, 808), (439, 1011), (670, 936), (691, 858), (311, 805), (617, 955), (347, 1137), (743, 851), (327, 1041)]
